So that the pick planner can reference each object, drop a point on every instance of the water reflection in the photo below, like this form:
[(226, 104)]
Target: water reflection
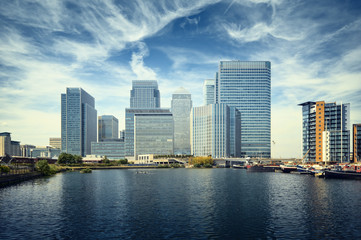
[(181, 203)]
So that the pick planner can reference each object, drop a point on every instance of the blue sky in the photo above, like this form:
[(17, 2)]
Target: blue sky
[(101, 46)]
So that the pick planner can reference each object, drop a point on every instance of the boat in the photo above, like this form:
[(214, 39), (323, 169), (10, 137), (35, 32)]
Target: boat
[(239, 166), (288, 168), (262, 168), (303, 170), (343, 174)]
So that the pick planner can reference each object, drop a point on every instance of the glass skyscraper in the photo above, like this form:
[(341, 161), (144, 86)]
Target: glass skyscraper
[(153, 133), (208, 91), (246, 86), (129, 125), (144, 94), (210, 129), (181, 108), (78, 121), (108, 126)]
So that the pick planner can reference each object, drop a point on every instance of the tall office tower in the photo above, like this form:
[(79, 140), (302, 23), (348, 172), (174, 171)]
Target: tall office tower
[(208, 91), (210, 129), (129, 126), (108, 126), (356, 142), (181, 108), (78, 121), (326, 131), (153, 133), (144, 94), (55, 142), (246, 86)]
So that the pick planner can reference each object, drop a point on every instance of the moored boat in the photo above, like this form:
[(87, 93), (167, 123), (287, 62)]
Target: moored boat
[(239, 166), (262, 168), (343, 174), (288, 168)]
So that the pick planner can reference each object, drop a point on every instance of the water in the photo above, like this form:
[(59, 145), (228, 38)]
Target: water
[(181, 204)]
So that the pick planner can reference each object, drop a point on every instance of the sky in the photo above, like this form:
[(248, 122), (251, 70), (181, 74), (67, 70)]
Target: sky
[(101, 46)]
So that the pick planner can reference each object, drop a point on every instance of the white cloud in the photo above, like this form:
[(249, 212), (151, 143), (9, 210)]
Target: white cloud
[(137, 63)]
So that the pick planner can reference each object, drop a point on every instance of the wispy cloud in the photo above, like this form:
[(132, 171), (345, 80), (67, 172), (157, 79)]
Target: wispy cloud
[(137, 63)]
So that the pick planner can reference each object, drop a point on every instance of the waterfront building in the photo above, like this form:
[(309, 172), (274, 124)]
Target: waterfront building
[(144, 94), (7, 146), (5, 143), (181, 108), (210, 129), (326, 131), (113, 149), (108, 126), (55, 142), (356, 142), (47, 152), (15, 148), (153, 133), (78, 121), (208, 91), (246, 86), (26, 150), (129, 126)]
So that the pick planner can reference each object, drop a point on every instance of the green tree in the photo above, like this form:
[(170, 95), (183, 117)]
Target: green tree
[(43, 167), (78, 159), (4, 169), (105, 160)]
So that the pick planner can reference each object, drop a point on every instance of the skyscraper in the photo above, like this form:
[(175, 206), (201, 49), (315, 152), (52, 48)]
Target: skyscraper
[(326, 131), (208, 91), (129, 125), (181, 108), (144, 94), (78, 121), (246, 86), (210, 129), (153, 133), (108, 126)]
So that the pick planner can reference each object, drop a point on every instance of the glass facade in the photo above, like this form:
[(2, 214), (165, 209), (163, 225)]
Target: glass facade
[(246, 86), (181, 108), (153, 134), (112, 149), (210, 129), (144, 94), (108, 126), (326, 132), (129, 126), (47, 152), (208, 91), (78, 121)]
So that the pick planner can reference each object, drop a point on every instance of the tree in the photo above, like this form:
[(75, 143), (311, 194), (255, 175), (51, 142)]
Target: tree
[(4, 169), (201, 161), (105, 160), (67, 158), (43, 167), (78, 159)]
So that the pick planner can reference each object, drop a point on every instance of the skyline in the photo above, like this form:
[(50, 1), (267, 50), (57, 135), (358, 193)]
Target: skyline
[(45, 47)]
